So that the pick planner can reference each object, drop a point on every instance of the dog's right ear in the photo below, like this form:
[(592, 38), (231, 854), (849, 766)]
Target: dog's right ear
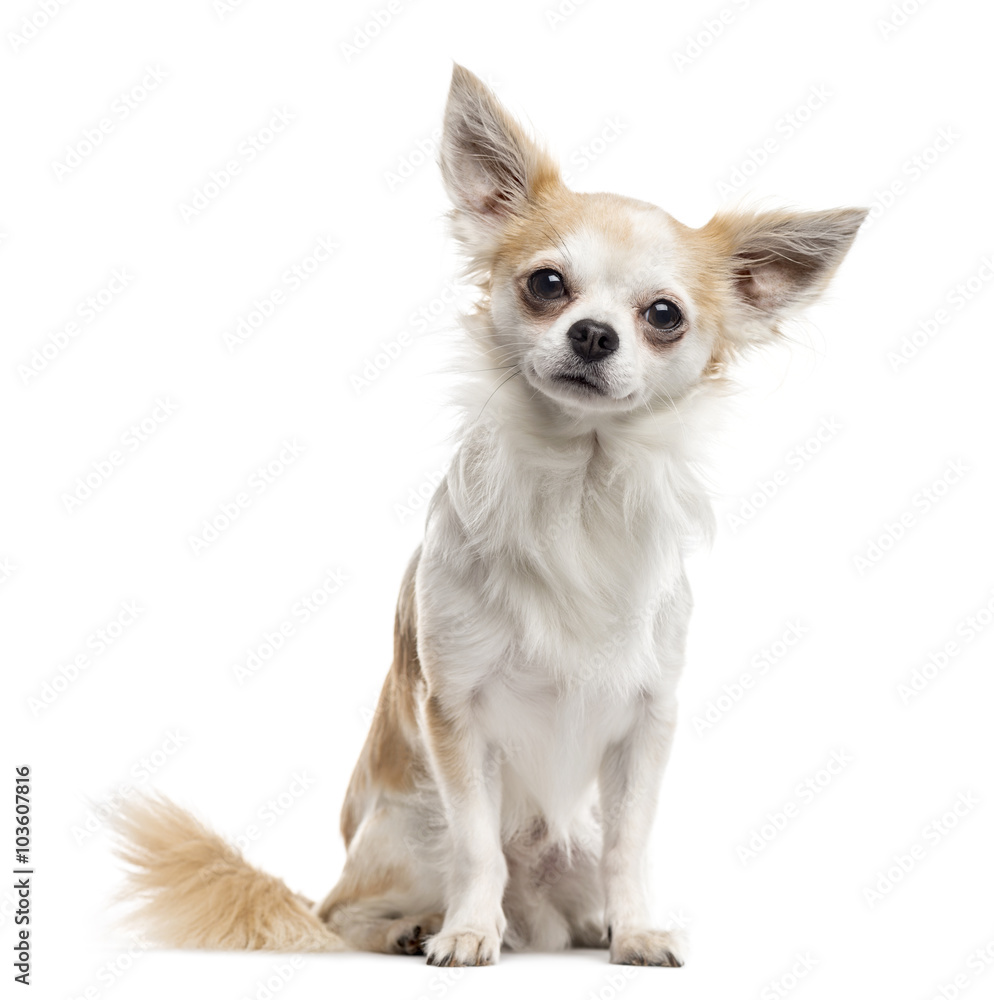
[(489, 165)]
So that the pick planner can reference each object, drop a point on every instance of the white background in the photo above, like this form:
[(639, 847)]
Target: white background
[(680, 121)]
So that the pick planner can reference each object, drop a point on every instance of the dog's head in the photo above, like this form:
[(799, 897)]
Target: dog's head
[(605, 303)]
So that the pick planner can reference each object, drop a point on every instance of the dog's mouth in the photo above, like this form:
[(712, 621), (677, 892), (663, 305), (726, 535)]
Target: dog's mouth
[(582, 382), (583, 388)]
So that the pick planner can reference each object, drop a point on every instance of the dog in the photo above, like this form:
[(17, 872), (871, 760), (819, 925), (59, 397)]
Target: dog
[(506, 791)]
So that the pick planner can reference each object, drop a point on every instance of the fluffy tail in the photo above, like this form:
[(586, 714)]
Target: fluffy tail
[(196, 891)]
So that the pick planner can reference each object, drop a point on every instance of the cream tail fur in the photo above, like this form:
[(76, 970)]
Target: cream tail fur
[(196, 891)]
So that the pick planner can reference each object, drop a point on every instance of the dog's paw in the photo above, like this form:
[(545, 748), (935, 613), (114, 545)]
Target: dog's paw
[(407, 936), (463, 946), (646, 948)]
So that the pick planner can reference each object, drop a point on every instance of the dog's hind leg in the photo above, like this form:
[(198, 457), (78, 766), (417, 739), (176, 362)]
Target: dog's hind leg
[(374, 925), (389, 896)]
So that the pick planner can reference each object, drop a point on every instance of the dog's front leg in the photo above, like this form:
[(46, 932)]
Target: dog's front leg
[(629, 783), (467, 769)]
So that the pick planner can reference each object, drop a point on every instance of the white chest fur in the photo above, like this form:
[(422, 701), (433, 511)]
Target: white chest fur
[(551, 599)]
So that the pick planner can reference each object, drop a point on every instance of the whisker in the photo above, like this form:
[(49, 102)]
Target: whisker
[(499, 368), (503, 382)]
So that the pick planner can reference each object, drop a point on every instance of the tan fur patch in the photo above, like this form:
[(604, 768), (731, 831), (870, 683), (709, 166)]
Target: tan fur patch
[(555, 213), (392, 758), (447, 749)]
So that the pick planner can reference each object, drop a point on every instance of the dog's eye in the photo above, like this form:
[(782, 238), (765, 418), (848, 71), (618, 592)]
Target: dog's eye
[(663, 315), (547, 284)]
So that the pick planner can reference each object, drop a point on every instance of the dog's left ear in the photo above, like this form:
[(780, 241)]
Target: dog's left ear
[(779, 262), (489, 165)]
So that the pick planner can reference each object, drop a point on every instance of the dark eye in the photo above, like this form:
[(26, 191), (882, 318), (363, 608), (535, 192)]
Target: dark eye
[(663, 315), (547, 284)]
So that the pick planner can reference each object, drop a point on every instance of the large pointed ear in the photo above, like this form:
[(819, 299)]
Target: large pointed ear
[(489, 165), (780, 261)]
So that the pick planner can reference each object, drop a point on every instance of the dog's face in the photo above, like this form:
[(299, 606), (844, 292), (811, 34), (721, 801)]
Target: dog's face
[(605, 303), (597, 299)]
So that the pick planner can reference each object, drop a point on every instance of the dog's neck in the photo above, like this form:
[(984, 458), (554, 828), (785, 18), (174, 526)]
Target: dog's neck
[(524, 462), (547, 439)]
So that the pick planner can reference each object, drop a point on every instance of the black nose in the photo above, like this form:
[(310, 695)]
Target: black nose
[(592, 340)]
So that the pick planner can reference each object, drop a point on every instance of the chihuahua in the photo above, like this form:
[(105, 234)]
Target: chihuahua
[(507, 788)]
